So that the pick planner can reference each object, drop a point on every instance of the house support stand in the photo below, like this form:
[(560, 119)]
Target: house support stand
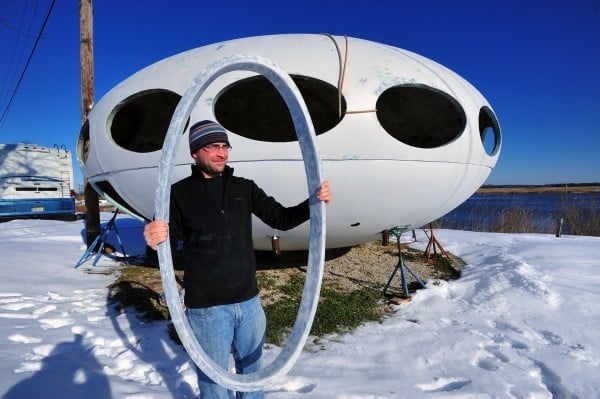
[(402, 266), (100, 242)]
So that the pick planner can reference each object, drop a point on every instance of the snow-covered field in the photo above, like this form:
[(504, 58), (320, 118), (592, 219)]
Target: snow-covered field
[(522, 322)]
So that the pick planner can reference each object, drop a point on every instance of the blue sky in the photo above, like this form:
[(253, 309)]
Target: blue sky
[(537, 62)]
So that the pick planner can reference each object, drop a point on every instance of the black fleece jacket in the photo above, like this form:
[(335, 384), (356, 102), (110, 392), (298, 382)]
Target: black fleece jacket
[(215, 237)]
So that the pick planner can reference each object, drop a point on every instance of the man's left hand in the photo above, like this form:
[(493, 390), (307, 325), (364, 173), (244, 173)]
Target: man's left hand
[(324, 193)]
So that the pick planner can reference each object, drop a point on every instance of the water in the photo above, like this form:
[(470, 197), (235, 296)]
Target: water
[(539, 212)]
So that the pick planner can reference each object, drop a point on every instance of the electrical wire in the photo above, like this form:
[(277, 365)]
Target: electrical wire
[(342, 75), (37, 40), (20, 33)]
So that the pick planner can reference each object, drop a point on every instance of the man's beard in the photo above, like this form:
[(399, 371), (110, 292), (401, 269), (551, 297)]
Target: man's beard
[(209, 169)]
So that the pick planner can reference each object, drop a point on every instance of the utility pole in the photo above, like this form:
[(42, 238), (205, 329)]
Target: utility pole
[(86, 59)]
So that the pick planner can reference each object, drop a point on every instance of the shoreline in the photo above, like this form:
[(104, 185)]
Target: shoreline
[(523, 189)]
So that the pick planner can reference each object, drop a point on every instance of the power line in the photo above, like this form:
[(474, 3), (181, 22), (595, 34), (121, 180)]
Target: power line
[(37, 39), (8, 77)]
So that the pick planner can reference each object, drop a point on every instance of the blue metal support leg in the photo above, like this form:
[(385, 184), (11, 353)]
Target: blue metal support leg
[(397, 231), (101, 240)]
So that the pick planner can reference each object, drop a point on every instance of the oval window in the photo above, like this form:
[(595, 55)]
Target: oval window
[(254, 109), (489, 131), (420, 116), (140, 122)]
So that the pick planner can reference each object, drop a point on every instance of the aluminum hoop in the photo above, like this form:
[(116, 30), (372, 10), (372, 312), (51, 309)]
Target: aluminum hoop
[(316, 255)]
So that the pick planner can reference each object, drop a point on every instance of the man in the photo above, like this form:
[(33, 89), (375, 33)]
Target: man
[(211, 221)]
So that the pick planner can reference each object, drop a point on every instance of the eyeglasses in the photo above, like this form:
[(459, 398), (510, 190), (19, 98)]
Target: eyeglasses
[(212, 148)]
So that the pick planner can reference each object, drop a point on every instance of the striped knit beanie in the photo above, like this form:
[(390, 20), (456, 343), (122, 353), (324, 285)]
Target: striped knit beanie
[(206, 132)]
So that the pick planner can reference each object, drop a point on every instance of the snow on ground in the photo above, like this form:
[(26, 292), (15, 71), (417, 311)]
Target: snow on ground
[(522, 322)]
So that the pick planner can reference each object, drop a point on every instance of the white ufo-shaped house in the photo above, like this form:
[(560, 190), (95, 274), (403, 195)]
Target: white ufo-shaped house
[(403, 140)]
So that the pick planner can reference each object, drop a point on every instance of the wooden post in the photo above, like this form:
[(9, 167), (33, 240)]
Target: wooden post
[(559, 227), (385, 238), (86, 58)]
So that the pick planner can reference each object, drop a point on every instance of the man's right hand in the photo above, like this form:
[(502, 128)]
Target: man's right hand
[(156, 232)]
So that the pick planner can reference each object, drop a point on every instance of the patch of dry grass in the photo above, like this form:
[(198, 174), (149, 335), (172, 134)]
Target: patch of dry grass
[(352, 288)]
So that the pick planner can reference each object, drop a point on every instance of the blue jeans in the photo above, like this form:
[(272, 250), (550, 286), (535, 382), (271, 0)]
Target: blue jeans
[(238, 328)]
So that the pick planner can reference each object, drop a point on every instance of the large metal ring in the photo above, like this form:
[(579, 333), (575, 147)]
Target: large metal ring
[(312, 164)]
